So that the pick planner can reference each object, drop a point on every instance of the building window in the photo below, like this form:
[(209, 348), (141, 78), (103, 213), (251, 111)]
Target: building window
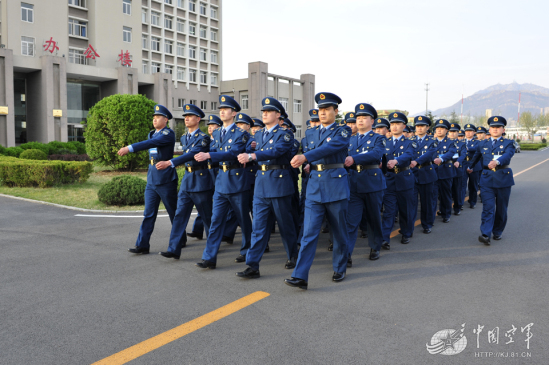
[(203, 32), (192, 29), (297, 106), (155, 18), (143, 15), (155, 67), (214, 105), (180, 103), (180, 3), (79, 3), (192, 6), (27, 46), (244, 101), (145, 41), (127, 34), (180, 49), (203, 77), (213, 34), (169, 2), (180, 73), (27, 12), (192, 52), (214, 79), (127, 7), (203, 55), (155, 44), (192, 76), (77, 56), (203, 105), (284, 102), (214, 56), (168, 22), (168, 47), (180, 25), (77, 28), (213, 12), (193, 102), (297, 131), (203, 9), (168, 69), (145, 67)]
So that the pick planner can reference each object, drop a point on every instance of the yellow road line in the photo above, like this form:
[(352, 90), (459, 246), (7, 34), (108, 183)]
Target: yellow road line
[(531, 167), (162, 339)]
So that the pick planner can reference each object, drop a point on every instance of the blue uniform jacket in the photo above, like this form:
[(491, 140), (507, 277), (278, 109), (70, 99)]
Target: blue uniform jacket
[(403, 152), (160, 146), (276, 150), (225, 153), (424, 153), (485, 152), (200, 180), (471, 149), (446, 149), (251, 168), (461, 152), (367, 151), (329, 185)]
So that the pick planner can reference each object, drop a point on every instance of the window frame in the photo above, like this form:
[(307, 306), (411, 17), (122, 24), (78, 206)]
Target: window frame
[(126, 34), (193, 50), (298, 106), (154, 66), (145, 67), (204, 104), (192, 75), (127, 7), (244, 101), (212, 54), (168, 19), (203, 56), (203, 6), (180, 25), (144, 41), (180, 46), (78, 24), (155, 40), (25, 11), (214, 79), (182, 70), (192, 6), (27, 42), (81, 56), (156, 15), (205, 74), (168, 43)]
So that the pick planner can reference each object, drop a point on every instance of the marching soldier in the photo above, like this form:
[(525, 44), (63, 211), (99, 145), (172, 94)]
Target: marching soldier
[(495, 155), (161, 185), (381, 126), (471, 177), (459, 159), (446, 149)]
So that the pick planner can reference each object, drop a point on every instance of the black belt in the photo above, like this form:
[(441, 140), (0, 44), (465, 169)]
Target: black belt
[(425, 164), (359, 168), (272, 167), (213, 165), (154, 162), (196, 168), (496, 168), (322, 167), (226, 168), (397, 169)]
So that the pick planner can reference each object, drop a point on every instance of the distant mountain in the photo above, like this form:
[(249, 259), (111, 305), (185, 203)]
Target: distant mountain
[(502, 99)]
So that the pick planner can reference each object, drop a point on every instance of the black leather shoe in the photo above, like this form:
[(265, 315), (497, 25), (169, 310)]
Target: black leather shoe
[(405, 240), (457, 213), (206, 264), (290, 264), (349, 262), (338, 276), (169, 255), (427, 231), (374, 255), (240, 258), (472, 206), (446, 220), (139, 251), (386, 246), (296, 283), (363, 234), (196, 235), (267, 249), (331, 247), (497, 237), (461, 208), (484, 239), (227, 239), (439, 212), (400, 231), (249, 273)]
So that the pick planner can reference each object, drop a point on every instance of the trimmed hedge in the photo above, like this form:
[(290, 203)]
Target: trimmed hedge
[(18, 172), (13, 151), (33, 154), (532, 146), (123, 190), (36, 146), (70, 157)]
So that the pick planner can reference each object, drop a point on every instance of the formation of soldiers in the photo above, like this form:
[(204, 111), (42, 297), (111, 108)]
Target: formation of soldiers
[(366, 173)]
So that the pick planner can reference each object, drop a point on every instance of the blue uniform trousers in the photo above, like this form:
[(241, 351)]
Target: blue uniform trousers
[(365, 207), (336, 212), (167, 193), (427, 210), (265, 210), (239, 202), (401, 202), (198, 225), (457, 196), (473, 186), (443, 192), (494, 210), (185, 202), (232, 222)]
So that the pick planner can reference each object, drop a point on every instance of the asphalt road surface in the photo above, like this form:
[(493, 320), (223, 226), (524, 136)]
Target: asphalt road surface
[(70, 293)]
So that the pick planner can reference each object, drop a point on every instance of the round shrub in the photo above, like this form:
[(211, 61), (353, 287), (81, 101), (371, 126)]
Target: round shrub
[(64, 151), (13, 151), (36, 146), (2, 150), (123, 190), (33, 155), (79, 147)]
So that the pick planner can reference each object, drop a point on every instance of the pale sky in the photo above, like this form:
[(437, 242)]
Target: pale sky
[(383, 52)]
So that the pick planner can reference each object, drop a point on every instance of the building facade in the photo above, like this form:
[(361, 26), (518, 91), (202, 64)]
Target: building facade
[(296, 95), (59, 57)]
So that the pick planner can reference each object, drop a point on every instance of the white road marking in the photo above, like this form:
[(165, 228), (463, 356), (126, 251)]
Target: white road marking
[(120, 216)]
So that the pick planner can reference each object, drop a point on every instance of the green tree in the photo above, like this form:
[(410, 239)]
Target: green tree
[(529, 123), (454, 119), (117, 121)]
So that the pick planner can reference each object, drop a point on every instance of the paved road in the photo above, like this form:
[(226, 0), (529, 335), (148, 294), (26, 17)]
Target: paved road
[(70, 292)]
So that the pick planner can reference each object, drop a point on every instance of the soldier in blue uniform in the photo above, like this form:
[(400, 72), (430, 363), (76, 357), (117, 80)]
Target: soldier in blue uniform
[(273, 191), (366, 181), (481, 136), (327, 191), (381, 126), (446, 149), (496, 179), (398, 196), (459, 160), (472, 173), (424, 171), (197, 184), (161, 185), (231, 187), (461, 135)]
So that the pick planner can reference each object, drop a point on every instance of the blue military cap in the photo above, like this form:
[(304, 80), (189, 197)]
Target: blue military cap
[(470, 127), (454, 127), (422, 120), (365, 109), (461, 133), (412, 129), (313, 113), (288, 123), (398, 117), (272, 104), (481, 130), (258, 123), (325, 100), (225, 101), (442, 123), (382, 122), (190, 109), (350, 118), (283, 116), (244, 118), (488, 132), (497, 121), (162, 110), (308, 123), (407, 129), (214, 119)]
